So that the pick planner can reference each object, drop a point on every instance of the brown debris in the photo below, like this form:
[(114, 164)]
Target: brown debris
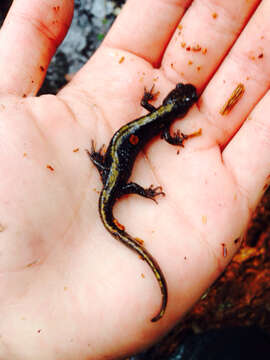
[(233, 99)]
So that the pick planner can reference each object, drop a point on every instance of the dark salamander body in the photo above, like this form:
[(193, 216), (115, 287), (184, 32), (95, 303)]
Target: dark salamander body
[(116, 165)]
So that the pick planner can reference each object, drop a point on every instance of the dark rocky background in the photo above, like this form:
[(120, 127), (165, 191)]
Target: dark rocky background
[(232, 320)]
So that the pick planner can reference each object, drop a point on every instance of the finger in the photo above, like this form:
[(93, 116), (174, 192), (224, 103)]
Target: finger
[(247, 64), (247, 155), (203, 38), (28, 40), (145, 27)]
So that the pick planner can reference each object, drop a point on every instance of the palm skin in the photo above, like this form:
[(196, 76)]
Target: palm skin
[(69, 290)]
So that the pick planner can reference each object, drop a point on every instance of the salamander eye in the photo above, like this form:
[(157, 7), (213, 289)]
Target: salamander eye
[(180, 86), (190, 92)]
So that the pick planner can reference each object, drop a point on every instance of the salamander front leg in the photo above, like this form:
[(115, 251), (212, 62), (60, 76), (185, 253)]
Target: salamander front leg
[(178, 137), (150, 193), (97, 157), (147, 96)]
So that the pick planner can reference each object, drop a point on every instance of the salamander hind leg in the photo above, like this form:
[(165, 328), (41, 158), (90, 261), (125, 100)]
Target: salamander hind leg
[(97, 157), (150, 193)]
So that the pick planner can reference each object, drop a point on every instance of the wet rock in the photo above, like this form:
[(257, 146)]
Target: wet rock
[(91, 21)]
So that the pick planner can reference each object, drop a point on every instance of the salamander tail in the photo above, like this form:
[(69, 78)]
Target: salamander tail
[(118, 232)]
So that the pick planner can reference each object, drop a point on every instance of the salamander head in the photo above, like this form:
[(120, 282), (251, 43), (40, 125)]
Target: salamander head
[(183, 96)]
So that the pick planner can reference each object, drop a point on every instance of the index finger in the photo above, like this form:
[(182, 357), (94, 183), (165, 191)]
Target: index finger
[(28, 39)]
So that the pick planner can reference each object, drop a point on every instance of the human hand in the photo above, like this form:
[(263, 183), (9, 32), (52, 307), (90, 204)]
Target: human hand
[(69, 290)]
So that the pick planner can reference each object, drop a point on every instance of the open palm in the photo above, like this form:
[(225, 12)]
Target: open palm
[(67, 289)]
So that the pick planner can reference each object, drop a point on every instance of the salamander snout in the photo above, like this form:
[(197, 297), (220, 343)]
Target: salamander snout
[(182, 94), (188, 92)]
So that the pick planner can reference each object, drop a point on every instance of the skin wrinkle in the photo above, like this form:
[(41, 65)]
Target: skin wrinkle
[(68, 107), (35, 123), (40, 27), (41, 240), (69, 188), (241, 190), (167, 74), (214, 125), (263, 130), (92, 174), (170, 78), (179, 3), (127, 52), (91, 102), (76, 210), (106, 123), (151, 166)]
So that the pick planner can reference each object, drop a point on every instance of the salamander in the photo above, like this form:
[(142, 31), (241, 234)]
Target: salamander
[(116, 163)]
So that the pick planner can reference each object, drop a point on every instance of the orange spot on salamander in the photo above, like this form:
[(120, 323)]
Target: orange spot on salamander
[(133, 139), (119, 226), (140, 241)]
